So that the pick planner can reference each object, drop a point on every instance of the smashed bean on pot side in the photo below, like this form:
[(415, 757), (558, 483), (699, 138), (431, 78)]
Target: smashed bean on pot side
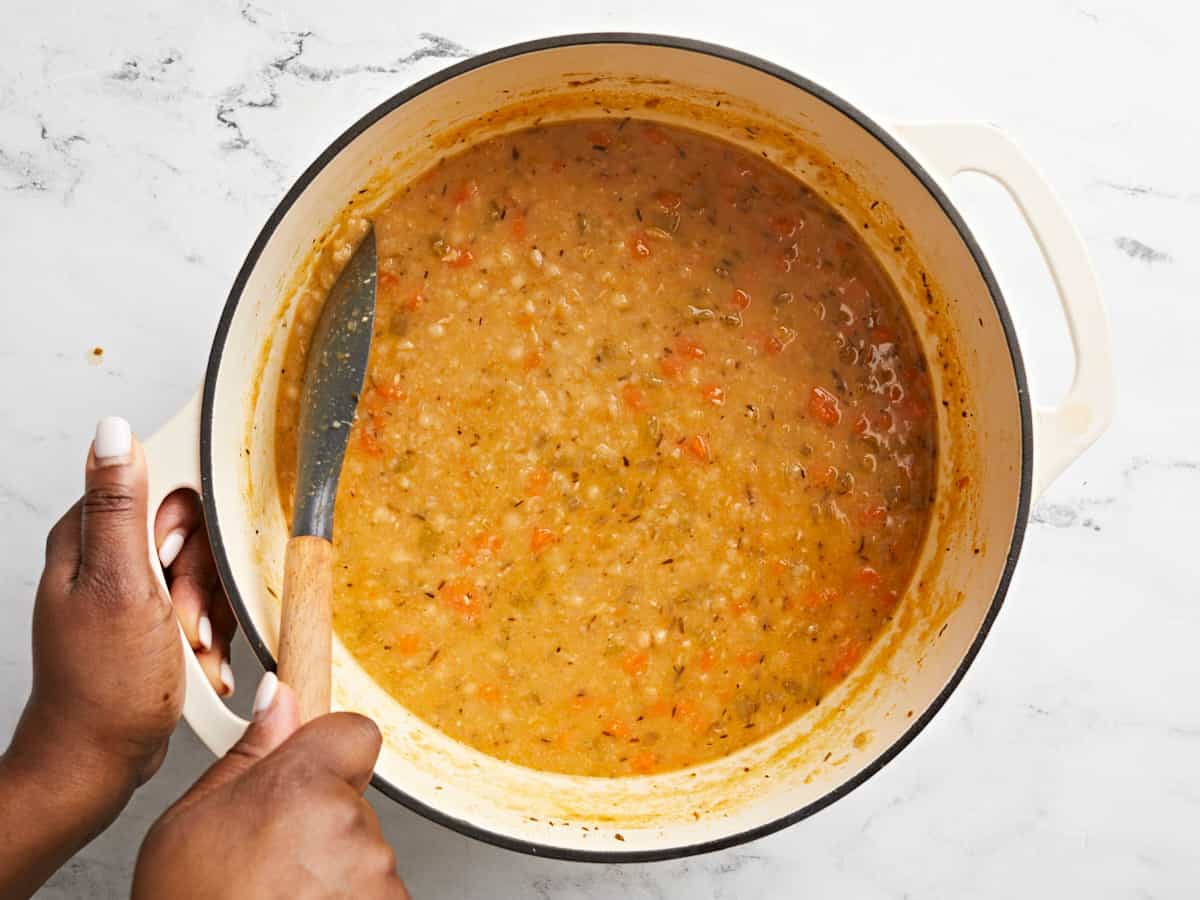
[(645, 454)]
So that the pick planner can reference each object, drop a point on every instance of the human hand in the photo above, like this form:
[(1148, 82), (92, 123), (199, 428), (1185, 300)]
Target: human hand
[(281, 815), (107, 662)]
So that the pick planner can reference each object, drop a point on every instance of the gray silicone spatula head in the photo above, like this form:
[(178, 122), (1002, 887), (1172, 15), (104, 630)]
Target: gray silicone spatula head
[(333, 378)]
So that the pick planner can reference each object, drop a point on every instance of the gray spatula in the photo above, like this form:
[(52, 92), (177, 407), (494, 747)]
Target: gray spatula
[(333, 378)]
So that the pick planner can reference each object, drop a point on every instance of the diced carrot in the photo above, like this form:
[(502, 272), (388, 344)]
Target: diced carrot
[(823, 406), (659, 709), (639, 245), (598, 138), (771, 345), (541, 538), (962, 483), (668, 200), (697, 446), (882, 335), (536, 482), (656, 135), (468, 190), (531, 360), (847, 657), (368, 439), (519, 225), (634, 397), (862, 425), (778, 567), (672, 366), (407, 643), (461, 597), (741, 299), (749, 659), (387, 281), (823, 476), (913, 407), (714, 394), (708, 660), (874, 516), (688, 348), (414, 302), (783, 226), (489, 541), (636, 663), (869, 577), (739, 607), (643, 762), (491, 693), (526, 320)]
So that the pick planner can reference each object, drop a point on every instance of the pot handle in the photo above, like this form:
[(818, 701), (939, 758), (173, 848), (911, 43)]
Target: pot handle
[(173, 462), (1063, 432)]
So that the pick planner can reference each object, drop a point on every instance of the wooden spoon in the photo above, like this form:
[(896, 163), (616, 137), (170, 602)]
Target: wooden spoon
[(333, 378)]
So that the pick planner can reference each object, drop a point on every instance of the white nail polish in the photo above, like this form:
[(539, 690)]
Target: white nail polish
[(204, 632), (170, 547), (227, 675), (265, 695), (113, 440)]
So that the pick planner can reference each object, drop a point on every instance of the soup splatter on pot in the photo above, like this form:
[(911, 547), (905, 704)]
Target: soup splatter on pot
[(645, 456)]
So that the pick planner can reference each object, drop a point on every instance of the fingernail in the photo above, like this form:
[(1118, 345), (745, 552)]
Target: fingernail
[(113, 441), (170, 547), (265, 695), (227, 675), (204, 632)]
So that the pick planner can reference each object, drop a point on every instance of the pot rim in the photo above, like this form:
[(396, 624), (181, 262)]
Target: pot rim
[(718, 51)]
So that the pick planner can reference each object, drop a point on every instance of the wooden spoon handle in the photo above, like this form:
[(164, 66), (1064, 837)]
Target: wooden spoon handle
[(306, 626)]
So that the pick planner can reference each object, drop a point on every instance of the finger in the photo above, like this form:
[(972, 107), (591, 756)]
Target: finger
[(62, 546), (113, 518), (194, 581), (345, 744), (217, 670), (178, 517), (224, 622), (276, 717)]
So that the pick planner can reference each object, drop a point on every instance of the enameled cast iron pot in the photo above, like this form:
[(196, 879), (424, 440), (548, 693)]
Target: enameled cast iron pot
[(996, 453)]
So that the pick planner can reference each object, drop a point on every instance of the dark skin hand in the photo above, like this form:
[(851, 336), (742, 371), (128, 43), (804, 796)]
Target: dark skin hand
[(280, 816), (107, 663)]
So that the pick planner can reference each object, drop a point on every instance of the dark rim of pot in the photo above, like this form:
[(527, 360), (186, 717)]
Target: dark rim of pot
[(880, 134)]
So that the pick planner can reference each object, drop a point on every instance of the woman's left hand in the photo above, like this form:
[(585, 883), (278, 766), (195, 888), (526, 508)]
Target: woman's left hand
[(108, 674)]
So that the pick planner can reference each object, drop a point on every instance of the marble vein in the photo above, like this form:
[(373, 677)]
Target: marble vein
[(1135, 249), (1144, 191)]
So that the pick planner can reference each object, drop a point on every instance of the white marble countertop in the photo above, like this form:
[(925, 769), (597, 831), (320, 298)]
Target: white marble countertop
[(143, 144)]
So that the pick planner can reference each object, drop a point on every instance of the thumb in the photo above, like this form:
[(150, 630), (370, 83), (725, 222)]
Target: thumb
[(344, 744), (113, 521), (276, 717)]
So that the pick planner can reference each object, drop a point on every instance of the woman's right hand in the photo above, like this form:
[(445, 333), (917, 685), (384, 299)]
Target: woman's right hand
[(281, 815)]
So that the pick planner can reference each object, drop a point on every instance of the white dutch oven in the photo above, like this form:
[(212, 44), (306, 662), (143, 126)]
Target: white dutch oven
[(996, 454)]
